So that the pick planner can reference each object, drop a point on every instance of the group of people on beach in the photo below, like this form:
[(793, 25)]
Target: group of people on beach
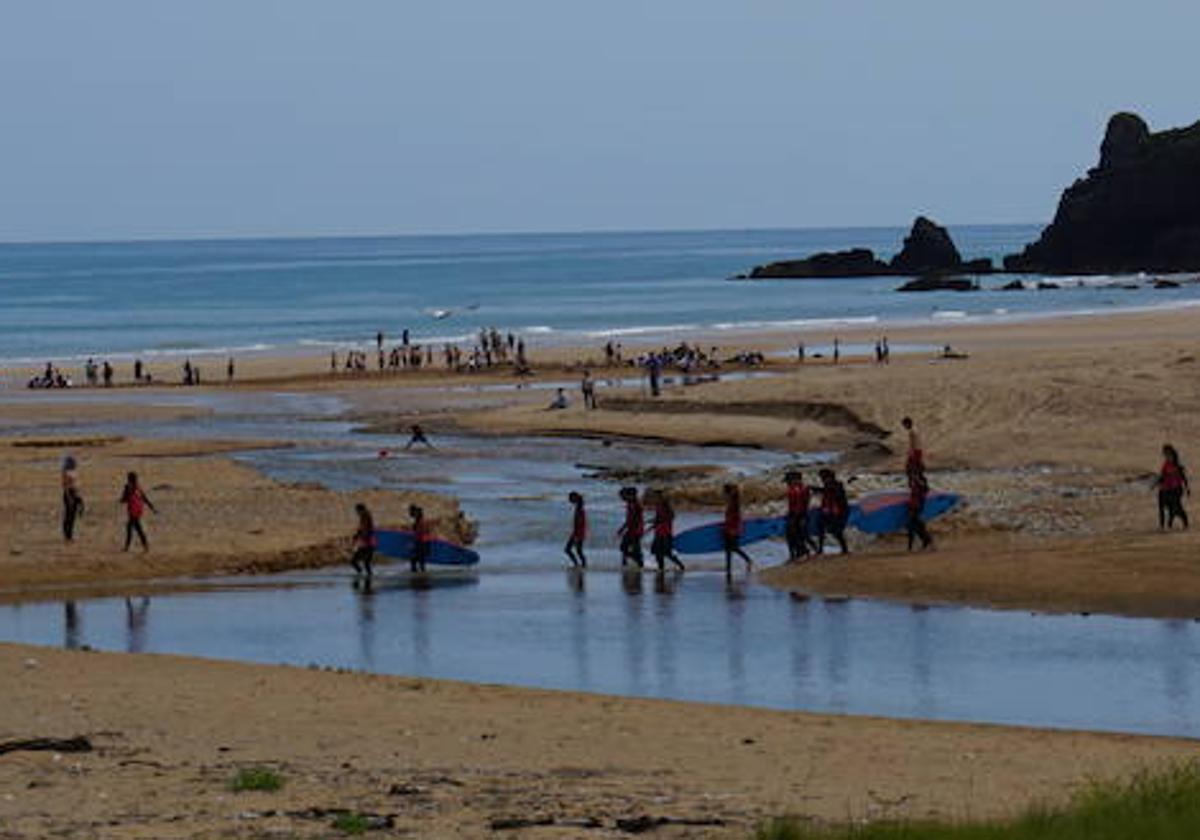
[(365, 540), (133, 499), (492, 349)]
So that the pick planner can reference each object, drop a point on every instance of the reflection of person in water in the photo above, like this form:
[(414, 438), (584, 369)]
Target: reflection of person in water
[(71, 625), (135, 624)]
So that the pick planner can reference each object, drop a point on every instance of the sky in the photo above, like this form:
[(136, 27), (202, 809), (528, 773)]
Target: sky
[(170, 119)]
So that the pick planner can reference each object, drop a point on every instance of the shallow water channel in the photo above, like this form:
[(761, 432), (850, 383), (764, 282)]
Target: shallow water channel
[(522, 619)]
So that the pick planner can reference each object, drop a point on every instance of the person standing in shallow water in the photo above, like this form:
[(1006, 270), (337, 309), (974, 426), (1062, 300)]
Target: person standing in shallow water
[(364, 541), (136, 502), (574, 546), (731, 529), (632, 528), (1172, 483), (72, 498), (835, 511), (799, 498), (422, 537)]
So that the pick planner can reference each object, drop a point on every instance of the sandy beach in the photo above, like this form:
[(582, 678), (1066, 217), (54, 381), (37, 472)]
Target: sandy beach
[(1050, 429), (439, 759)]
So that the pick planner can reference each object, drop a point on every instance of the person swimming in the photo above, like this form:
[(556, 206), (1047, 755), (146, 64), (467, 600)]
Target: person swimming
[(731, 528), (574, 546), (1172, 483)]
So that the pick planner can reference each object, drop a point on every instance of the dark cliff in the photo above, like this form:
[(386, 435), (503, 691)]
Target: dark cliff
[(1138, 210)]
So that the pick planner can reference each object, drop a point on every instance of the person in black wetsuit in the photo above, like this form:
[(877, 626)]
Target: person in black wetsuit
[(364, 541), (632, 528), (72, 499), (574, 546), (422, 537), (663, 544)]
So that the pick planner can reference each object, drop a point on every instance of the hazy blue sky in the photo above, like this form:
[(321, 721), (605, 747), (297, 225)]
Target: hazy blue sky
[(162, 118)]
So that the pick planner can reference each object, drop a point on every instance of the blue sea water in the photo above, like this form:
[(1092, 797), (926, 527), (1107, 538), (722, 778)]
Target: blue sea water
[(64, 302)]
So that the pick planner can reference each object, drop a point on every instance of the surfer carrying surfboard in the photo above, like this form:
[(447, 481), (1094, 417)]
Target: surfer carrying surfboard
[(632, 528), (574, 546), (915, 460), (662, 547), (799, 497), (835, 510), (731, 530), (918, 492), (364, 541)]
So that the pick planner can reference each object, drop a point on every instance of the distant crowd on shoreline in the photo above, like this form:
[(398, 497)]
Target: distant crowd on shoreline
[(103, 374)]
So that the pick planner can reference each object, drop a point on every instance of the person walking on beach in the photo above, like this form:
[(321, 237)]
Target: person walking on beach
[(1172, 483), (136, 501), (422, 537), (799, 498), (918, 491), (588, 387), (229, 371), (72, 498), (663, 544), (835, 510), (731, 529), (837, 350), (914, 461), (365, 541), (574, 546), (632, 528)]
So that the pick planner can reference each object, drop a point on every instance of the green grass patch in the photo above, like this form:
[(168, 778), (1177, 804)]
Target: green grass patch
[(1162, 805), (255, 778), (352, 823)]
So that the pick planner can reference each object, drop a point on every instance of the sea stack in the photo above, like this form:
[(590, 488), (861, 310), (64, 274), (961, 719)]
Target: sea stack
[(1138, 210)]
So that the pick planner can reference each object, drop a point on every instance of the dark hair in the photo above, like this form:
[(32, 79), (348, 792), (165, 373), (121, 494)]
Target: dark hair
[(906, 422), (415, 511), (131, 478), (1170, 453), (574, 497)]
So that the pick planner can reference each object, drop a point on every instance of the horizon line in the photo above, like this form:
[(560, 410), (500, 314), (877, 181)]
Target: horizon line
[(285, 237)]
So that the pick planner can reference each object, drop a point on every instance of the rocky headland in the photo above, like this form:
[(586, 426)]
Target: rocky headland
[(928, 252), (1138, 210)]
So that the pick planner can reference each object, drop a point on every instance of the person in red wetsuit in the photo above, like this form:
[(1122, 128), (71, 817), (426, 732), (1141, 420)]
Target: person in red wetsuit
[(136, 502), (574, 546), (632, 528), (731, 529), (364, 541), (663, 545), (1172, 483), (799, 498), (914, 462), (422, 538), (918, 491), (835, 510)]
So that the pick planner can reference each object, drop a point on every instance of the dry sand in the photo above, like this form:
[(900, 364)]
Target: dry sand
[(446, 759)]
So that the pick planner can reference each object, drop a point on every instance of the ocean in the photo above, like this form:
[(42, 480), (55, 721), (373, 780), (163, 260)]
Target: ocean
[(155, 300)]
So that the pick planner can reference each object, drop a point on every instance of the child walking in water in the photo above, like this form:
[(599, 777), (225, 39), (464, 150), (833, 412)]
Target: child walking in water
[(663, 545), (136, 501), (72, 499), (574, 546), (632, 528), (731, 530), (364, 541), (1172, 483)]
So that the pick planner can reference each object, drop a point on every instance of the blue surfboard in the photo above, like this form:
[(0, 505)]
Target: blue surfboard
[(708, 539), (399, 544), (887, 510)]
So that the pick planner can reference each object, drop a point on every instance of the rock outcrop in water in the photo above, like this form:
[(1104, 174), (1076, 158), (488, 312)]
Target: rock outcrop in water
[(928, 250), (1138, 210)]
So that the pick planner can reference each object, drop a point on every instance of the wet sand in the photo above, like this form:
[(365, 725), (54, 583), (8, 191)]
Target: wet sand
[(447, 759), (215, 516)]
